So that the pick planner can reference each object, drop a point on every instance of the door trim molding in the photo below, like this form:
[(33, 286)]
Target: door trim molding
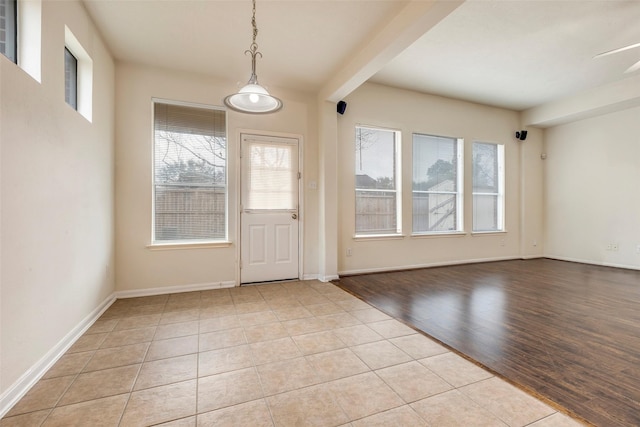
[(238, 195)]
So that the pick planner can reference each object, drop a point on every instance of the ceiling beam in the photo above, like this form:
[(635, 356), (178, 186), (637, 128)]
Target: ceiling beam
[(413, 21), (605, 99)]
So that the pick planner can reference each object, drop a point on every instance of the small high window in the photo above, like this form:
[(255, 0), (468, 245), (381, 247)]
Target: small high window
[(78, 76), (9, 29), (70, 79)]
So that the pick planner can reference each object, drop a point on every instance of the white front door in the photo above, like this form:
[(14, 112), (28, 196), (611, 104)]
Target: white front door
[(269, 210)]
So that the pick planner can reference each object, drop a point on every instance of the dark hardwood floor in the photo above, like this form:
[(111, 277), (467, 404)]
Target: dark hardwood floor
[(565, 331)]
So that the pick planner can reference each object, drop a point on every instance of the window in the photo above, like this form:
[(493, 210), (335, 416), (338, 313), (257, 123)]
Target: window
[(70, 79), (190, 173), (270, 181), (9, 29), (488, 187), (437, 184), (23, 47), (378, 197), (78, 76)]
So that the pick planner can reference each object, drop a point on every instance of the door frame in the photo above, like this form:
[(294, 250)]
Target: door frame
[(238, 195)]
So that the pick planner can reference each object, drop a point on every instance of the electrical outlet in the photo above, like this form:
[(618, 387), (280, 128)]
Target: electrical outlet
[(535, 243), (349, 252), (501, 242), (609, 246), (614, 247)]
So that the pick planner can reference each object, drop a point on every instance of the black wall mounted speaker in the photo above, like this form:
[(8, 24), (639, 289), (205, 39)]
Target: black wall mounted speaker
[(342, 107), (521, 135)]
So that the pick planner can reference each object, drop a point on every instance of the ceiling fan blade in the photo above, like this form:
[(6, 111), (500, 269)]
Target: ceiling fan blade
[(633, 68), (622, 49)]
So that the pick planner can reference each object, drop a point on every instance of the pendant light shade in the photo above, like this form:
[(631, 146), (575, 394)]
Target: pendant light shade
[(253, 98)]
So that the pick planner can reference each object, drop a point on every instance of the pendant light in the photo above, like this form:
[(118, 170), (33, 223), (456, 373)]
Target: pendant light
[(253, 98)]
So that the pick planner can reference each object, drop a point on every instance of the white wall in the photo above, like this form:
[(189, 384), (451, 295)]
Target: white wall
[(532, 205), (411, 112), (141, 268), (57, 198), (592, 196)]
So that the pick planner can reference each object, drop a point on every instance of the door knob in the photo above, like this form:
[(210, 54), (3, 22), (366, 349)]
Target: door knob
[(294, 215)]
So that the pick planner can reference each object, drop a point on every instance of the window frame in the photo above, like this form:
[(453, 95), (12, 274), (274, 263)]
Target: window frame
[(499, 194), (12, 38), (397, 190), (459, 193), (187, 243)]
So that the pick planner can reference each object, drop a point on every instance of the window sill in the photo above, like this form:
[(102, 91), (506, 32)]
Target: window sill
[(487, 233), (187, 245), (379, 237), (439, 235)]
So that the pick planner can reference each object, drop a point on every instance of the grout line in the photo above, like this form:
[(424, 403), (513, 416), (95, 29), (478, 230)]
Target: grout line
[(198, 365)]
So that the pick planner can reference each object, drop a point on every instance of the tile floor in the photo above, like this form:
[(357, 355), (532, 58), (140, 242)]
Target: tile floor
[(286, 354)]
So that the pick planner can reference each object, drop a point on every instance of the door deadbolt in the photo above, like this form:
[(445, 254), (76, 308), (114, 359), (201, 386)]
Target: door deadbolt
[(294, 216)]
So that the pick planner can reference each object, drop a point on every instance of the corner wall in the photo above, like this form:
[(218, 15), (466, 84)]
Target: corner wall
[(57, 195), (410, 112), (592, 202)]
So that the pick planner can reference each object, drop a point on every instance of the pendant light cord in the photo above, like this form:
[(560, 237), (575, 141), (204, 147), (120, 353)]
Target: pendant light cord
[(253, 49), (255, 27)]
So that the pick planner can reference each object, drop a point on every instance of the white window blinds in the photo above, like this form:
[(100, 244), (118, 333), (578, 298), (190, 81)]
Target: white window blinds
[(271, 176), (190, 173)]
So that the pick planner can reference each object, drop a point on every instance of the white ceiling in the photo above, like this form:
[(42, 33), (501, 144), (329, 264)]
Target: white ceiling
[(519, 54), (514, 54)]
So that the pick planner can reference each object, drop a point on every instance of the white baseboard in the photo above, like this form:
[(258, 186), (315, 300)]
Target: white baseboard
[(320, 277), (329, 278), (591, 262), (134, 293), (532, 256), (480, 260), (18, 389), (426, 265)]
